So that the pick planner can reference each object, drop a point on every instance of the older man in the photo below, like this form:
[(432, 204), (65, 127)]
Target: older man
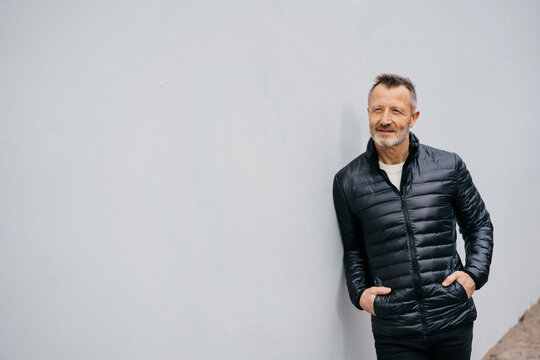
[(397, 206)]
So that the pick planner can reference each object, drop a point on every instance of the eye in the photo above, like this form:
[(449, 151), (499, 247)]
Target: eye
[(377, 110), (396, 111)]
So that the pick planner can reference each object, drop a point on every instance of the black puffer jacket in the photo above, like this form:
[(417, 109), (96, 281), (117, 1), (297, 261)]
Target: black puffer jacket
[(406, 238)]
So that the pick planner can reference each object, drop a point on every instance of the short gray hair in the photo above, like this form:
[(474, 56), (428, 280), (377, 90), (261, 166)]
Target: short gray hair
[(393, 80)]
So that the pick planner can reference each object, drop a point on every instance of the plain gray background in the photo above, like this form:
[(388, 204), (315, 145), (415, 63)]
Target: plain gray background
[(166, 167)]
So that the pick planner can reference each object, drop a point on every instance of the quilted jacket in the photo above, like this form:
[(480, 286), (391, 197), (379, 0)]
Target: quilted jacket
[(405, 238)]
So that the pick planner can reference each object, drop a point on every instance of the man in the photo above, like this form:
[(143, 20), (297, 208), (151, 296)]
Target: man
[(397, 206)]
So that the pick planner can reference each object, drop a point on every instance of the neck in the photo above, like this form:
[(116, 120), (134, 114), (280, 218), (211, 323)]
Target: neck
[(391, 155)]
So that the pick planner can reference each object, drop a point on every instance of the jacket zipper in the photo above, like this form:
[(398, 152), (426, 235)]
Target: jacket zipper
[(416, 273)]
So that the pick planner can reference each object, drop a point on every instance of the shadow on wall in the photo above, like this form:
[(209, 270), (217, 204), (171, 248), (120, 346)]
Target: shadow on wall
[(350, 139), (357, 337), (356, 329)]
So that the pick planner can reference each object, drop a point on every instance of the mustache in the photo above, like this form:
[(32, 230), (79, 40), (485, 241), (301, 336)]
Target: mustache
[(386, 128)]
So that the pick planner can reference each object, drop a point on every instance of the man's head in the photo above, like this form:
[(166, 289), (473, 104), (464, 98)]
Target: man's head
[(391, 109)]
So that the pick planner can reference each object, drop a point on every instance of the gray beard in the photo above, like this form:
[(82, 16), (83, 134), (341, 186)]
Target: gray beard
[(391, 142)]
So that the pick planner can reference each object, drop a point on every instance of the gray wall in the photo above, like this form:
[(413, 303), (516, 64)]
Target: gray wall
[(166, 167)]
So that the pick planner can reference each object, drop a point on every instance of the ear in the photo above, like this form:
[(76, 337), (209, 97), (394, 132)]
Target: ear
[(414, 118)]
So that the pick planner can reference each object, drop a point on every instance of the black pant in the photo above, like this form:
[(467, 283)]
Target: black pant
[(453, 344)]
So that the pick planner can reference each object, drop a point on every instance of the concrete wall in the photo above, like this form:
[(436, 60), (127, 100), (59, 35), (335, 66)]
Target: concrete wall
[(166, 167)]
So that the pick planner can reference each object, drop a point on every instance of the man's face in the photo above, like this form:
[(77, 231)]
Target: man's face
[(390, 115)]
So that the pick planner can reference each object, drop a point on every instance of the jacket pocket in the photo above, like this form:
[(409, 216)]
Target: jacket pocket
[(385, 312), (381, 307), (458, 291), (376, 306), (461, 289)]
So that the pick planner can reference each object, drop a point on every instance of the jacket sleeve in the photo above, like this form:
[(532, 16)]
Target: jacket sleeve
[(474, 224), (354, 259)]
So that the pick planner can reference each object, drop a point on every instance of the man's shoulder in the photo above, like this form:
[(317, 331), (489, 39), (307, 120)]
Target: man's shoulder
[(436, 151), (355, 171), (436, 156)]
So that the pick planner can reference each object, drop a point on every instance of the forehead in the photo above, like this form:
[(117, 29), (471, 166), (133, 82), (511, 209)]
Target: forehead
[(383, 95)]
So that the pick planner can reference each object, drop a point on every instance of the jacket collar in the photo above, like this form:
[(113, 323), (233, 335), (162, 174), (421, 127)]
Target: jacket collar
[(372, 154)]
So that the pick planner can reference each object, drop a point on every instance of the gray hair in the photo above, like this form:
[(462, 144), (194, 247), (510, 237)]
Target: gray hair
[(393, 80)]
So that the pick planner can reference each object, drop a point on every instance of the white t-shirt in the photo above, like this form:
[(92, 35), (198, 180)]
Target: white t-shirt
[(393, 172)]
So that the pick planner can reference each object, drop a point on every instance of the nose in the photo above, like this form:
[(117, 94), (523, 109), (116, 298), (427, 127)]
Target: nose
[(386, 117)]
